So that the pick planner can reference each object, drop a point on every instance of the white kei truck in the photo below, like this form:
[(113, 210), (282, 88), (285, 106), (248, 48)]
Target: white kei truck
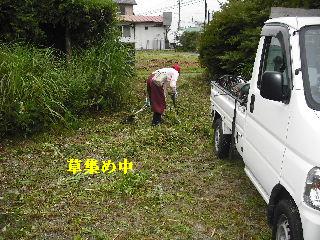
[(274, 122)]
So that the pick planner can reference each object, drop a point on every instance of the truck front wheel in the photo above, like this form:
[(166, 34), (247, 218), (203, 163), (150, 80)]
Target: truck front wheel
[(287, 223), (221, 141)]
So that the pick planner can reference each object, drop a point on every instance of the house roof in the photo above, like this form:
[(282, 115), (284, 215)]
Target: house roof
[(142, 19), (129, 2)]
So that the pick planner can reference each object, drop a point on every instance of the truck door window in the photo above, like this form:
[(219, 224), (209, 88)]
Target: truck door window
[(310, 56), (274, 58)]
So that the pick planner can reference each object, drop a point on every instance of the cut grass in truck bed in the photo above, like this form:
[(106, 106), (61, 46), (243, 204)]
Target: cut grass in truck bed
[(178, 189)]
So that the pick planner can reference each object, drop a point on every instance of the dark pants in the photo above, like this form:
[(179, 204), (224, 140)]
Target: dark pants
[(156, 120), (156, 95), (157, 100)]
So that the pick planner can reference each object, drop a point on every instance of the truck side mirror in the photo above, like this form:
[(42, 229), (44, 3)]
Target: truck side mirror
[(272, 86)]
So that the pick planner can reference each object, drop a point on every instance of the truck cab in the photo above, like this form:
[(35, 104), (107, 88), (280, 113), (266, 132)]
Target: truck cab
[(276, 131)]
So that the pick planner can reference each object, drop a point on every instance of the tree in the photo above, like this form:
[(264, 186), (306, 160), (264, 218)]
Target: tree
[(229, 43), (18, 21), (56, 23), (189, 41), (232, 37)]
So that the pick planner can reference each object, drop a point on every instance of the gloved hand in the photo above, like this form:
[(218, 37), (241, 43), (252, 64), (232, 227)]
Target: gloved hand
[(147, 102)]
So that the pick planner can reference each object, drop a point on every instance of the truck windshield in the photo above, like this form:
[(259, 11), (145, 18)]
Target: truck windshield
[(310, 56)]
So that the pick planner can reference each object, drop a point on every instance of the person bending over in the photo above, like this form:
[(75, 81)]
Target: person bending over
[(159, 84)]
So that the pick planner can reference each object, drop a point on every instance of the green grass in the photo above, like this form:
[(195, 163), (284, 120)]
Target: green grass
[(178, 189), (38, 89)]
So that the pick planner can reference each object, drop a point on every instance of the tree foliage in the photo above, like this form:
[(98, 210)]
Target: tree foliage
[(189, 41), (38, 88), (52, 22), (229, 43)]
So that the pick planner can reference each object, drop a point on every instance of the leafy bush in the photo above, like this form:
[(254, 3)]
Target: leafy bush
[(38, 89), (230, 41), (232, 38), (189, 41), (99, 77), (32, 88), (53, 22)]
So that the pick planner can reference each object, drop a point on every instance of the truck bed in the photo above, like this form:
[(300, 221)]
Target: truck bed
[(223, 103)]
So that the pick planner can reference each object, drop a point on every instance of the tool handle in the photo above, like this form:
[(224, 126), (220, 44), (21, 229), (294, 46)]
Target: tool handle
[(142, 109)]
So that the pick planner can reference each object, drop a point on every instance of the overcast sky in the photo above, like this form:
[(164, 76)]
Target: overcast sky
[(195, 10)]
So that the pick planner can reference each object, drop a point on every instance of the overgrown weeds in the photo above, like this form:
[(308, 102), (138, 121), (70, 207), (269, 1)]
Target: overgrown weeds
[(33, 89), (38, 89)]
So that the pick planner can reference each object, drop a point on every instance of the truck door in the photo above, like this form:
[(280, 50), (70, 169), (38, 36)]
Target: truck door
[(267, 121)]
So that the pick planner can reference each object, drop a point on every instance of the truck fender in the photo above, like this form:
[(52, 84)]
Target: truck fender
[(225, 128), (278, 193), (215, 116)]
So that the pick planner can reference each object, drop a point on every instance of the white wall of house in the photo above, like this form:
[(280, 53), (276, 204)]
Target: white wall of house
[(149, 36), (146, 36)]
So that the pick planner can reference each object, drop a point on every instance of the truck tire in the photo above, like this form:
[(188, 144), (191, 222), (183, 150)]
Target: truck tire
[(221, 141), (287, 224)]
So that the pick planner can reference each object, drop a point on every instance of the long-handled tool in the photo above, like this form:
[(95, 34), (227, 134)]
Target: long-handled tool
[(131, 118), (173, 98)]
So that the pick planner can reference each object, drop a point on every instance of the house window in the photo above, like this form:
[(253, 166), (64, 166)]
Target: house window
[(146, 28), (126, 31), (122, 10)]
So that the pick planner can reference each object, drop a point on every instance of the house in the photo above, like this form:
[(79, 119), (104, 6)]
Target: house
[(145, 32), (194, 26), (126, 6), (193, 29)]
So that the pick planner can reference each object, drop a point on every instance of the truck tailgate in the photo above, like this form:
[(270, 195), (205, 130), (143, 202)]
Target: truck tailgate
[(223, 103)]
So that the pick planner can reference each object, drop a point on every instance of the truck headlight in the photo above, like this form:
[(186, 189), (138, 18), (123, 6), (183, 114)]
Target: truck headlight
[(312, 190)]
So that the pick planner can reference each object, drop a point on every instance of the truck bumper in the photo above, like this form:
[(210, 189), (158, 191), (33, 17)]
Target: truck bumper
[(310, 219)]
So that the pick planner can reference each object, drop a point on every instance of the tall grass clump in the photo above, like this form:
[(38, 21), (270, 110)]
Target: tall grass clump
[(38, 89), (32, 89), (100, 77)]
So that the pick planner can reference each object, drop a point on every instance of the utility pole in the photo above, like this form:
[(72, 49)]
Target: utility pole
[(205, 12), (179, 21)]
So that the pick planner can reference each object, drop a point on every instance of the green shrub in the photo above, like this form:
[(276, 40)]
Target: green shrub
[(38, 89), (189, 41), (232, 38), (229, 43), (100, 77), (32, 88), (50, 22)]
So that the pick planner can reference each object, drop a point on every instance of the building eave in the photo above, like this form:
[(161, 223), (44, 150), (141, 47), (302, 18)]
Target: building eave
[(126, 2), (141, 19)]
